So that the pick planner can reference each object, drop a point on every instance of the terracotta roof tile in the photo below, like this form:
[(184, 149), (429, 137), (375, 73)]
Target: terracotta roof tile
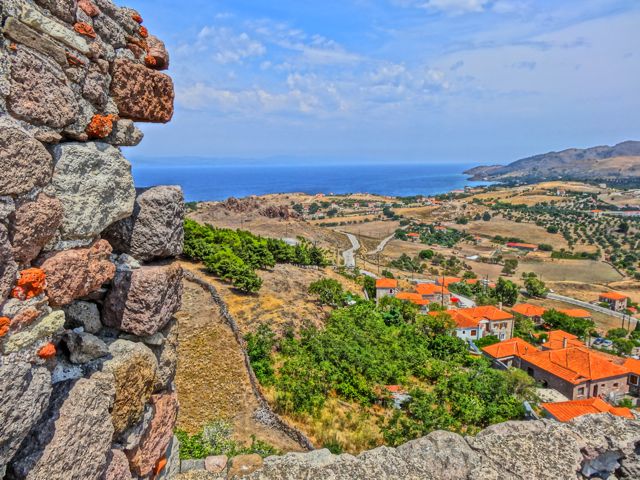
[(386, 283), (432, 289), (575, 364), (576, 312), (613, 296), (509, 348), (565, 411), (528, 310), (414, 298)]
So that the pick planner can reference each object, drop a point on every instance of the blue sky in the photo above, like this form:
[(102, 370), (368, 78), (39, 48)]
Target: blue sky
[(396, 80)]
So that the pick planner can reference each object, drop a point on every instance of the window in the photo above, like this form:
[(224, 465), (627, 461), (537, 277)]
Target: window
[(615, 385), (474, 333), (581, 391), (530, 371), (633, 379)]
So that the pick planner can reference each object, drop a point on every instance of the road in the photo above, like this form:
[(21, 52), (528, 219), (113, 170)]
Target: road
[(590, 306), (349, 255), (382, 245)]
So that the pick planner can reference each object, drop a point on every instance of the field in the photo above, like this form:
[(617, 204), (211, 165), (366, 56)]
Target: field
[(283, 300), (371, 234), (581, 271), (528, 232), (211, 379)]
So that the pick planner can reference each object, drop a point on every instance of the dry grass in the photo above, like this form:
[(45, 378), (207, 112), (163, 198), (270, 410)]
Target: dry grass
[(283, 301), (581, 271), (352, 426), (211, 380)]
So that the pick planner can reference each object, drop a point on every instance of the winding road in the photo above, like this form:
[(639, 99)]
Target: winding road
[(349, 255)]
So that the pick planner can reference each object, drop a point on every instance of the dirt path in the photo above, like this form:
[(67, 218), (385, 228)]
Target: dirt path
[(211, 380)]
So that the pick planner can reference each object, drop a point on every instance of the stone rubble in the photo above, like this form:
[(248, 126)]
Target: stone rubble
[(82, 398)]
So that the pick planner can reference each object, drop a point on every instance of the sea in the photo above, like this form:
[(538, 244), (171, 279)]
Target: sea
[(219, 180)]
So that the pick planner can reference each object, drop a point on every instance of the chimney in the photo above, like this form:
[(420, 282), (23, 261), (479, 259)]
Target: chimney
[(500, 305), (564, 342)]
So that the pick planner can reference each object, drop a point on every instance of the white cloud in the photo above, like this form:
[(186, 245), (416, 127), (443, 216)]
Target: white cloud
[(227, 46)]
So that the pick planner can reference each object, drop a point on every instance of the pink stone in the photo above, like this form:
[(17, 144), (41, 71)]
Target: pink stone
[(155, 440), (216, 464)]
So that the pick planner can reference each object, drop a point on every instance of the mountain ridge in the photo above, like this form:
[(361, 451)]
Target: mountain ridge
[(596, 163)]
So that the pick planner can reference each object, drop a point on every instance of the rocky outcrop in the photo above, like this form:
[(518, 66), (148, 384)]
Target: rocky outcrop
[(81, 399), (593, 446)]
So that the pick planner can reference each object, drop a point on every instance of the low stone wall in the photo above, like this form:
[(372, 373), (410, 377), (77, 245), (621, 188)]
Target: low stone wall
[(88, 284), (265, 414)]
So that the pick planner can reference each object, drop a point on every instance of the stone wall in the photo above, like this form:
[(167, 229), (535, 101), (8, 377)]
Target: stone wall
[(88, 287)]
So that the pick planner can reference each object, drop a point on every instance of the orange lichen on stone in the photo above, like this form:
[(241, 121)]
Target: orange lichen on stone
[(85, 29), (136, 17), (150, 61), (74, 61), (48, 351), (100, 126), (4, 326), (13, 47), (160, 466), (144, 33), (32, 283)]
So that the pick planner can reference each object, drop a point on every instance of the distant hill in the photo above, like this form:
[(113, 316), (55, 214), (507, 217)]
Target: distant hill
[(617, 164)]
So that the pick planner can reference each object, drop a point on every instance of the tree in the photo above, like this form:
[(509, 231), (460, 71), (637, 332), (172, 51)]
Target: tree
[(580, 327), (623, 228), (506, 292), (553, 229), (486, 341), (259, 347), (545, 247), (534, 286), (486, 217), (616, 333), (329, 292), (510, 266), (427, 254)]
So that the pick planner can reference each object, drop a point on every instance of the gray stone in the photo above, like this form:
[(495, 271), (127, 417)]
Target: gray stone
[(84, 347), (21, 33), (94, 183), (72, 440), (172, 468), (215, 463), (25, 392), (39, 92), (32, 17), (7, 207), (63, 9), (85, 315), (78, 129), (167, 355), (8, 266), (109, 31), (24, 162), (65, 371), (142, 302), (124, 134), (131, 438), (155, 230), (191, 464), (96, 86)]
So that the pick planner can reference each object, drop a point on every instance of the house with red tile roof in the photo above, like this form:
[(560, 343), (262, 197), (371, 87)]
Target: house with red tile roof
[(510, 351), (386, 287), (413, 236), (446, 281), (577, 372), (633, 366), (527, 247), (434, 293), (478, 322), (567, 411), (616, 301), (576, 313), (416, 299), (559, 339), (532, 312)]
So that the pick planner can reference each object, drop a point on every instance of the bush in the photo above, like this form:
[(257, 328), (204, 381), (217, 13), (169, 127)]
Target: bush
[(328, 291), (545, 247)]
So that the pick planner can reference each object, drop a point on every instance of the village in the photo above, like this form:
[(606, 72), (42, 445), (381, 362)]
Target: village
[(575, 378)]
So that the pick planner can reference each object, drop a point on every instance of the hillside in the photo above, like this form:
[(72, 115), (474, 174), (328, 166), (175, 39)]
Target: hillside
[(614, 164)]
